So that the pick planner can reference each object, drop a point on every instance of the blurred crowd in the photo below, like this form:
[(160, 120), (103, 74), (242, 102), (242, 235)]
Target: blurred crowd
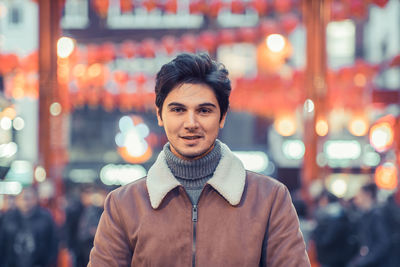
[(31, 237), (360, 231), (356, 232)]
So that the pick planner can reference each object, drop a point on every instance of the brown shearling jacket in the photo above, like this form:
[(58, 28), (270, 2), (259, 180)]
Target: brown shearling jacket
[(242, 219)]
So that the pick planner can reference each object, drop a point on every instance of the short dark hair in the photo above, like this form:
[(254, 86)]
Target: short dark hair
[(194, 69)]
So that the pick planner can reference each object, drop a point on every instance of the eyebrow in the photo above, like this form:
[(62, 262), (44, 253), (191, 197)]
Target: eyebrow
[(207, 104)]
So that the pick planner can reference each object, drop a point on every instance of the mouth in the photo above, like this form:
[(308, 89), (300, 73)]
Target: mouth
[(191, 137)]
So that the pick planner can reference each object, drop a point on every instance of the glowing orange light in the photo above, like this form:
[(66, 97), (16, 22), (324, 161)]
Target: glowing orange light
[(285, 125), (10, 112), (358, 126), (386, 176), (94, 70), (18, 93), (321, 127), (79, 70), (381, 136), (360, 80)]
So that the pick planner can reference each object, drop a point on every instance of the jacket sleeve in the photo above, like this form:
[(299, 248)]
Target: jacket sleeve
[(283, 241), (111, 244)]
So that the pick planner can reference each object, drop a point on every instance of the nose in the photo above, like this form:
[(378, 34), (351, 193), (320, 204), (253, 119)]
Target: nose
[(191, 121)]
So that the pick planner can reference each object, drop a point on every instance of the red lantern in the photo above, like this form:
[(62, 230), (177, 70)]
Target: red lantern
[(140, 79), (101, 7), (358, 9), (237, 6), (339, 11), (189, 43), (395, 61), (197, 6), (226, 36), (260, 6), (171, 6), (380, 3), (268, 27), (282, 6), (169, 44), (129, 49), (215, 7), (126, 6), (107, 52), (247, 34), (92, 54), (8, 62), (289, 22), (120, 77), (148, 48), (150, 5), (207, 41)]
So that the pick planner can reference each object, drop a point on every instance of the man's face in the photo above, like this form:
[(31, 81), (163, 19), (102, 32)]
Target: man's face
[(191, 120)]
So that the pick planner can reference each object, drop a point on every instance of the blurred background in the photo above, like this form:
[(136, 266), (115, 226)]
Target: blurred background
[(315, 100)]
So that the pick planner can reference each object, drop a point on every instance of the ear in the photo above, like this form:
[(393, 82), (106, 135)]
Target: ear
[(159, 119), (222, 122)]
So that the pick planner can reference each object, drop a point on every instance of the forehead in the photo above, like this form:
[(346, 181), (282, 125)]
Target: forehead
[(191, 94)]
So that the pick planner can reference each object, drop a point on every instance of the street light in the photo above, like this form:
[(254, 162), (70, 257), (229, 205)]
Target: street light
[(65, 47)]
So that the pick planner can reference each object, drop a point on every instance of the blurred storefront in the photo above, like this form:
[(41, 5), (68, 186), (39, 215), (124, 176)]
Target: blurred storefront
[(100, 116)]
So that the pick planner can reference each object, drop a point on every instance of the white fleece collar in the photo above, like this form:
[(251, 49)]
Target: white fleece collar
[(229, 178)]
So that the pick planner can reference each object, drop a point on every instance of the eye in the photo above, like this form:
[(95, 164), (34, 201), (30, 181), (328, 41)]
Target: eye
[(205, 110), (177, 109)]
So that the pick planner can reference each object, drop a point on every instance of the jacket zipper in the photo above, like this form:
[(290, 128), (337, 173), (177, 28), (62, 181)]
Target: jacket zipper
[(194, 220)]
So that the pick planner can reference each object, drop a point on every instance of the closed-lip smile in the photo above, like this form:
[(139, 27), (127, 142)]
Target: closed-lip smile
[(191, 137)]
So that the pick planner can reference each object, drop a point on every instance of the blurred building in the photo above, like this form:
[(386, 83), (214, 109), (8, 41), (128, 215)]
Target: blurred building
[(106, 79)]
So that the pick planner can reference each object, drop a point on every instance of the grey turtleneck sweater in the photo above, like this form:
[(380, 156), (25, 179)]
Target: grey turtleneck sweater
[(193, 175)]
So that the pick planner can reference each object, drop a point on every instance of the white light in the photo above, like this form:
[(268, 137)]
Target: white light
[(119, 139), (55, 109), (65, 47), (18, 123), (40, 174), (293, 149), (10, 188), (135, 145), (256, 161), (339, 187), (5, 123), (275, 42), (112, 174), (82, 175), (143, 130), (371, 159), (342, 149), (8, 150), (308, 106), (125, 124)]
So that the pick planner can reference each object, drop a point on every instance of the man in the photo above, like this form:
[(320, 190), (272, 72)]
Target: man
[(28, 234), (198, 206), (373, 235)]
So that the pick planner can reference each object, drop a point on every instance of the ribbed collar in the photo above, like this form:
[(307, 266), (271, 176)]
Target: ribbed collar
[(193, 169), (228, 179)]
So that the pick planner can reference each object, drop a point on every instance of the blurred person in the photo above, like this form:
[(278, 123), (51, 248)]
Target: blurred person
[(373, 235), (93, 201), (334, 234), (307, 224), (391, 213), (28, 234), (198, 206), (73, 210)]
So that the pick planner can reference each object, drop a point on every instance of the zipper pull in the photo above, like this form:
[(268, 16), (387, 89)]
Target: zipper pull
[(194, 213)]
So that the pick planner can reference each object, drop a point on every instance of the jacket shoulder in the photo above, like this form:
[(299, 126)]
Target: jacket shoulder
[(127, 191), (263, 180)]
